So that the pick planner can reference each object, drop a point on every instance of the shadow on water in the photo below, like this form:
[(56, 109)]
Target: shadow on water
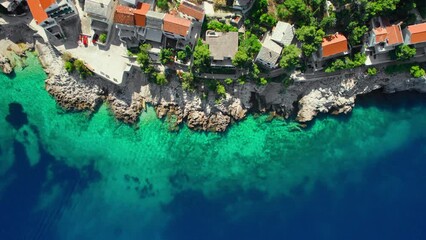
[(387, 203), (17, 117), (19, 219)]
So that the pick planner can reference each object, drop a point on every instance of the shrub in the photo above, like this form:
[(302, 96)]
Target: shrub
[(69, 66), (417, 71), (103, 37), (166, 56), (372, 71), (263, 81), (404, 52), (220, 90), (160, 79), (163, 5), (82, 69), (229, 81), (221, 27)]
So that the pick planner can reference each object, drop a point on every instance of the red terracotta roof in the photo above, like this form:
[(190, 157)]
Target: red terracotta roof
[(124, 15), (334, 44), (394, 35), (418, 33), (191, 10), (176, 25), (140, 14), (391, 34), (380, 33), (38, 7)]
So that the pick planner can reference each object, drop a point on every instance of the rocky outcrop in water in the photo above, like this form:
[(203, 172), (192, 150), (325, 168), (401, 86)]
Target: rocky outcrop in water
[(5, 65), (339, 95), (203, 111)]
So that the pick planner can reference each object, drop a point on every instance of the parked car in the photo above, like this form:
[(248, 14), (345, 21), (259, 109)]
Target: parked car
[(95, 38)]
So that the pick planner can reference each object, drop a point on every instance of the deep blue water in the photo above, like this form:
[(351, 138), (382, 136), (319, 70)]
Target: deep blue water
[(361, 176)]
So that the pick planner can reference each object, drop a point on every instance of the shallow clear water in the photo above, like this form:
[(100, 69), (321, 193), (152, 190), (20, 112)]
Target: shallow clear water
[(75, 176)]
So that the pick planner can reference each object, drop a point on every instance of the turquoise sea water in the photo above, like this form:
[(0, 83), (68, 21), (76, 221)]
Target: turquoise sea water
[(76, 176)]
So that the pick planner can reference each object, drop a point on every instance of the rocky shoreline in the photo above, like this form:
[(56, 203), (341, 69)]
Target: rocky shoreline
[(204, 112)]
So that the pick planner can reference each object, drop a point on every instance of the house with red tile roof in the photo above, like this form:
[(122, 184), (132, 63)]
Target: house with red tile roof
[(191, 11), (415, 34), (48, 14), (176, 27), (131, 23), (334, 45), (384, 36)]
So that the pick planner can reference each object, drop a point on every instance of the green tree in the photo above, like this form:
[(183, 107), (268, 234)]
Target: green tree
[(163, 5), (166, 56), (357, 34), (404, 52), (241, 59), (268, 20), (143, 56), (416, 71), (250, 44), (311, 37), (290, 57), (201, 57), (379, 7), (181, 55), (187, 80)]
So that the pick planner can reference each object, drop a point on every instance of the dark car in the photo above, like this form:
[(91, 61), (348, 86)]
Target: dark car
[(95, 38)]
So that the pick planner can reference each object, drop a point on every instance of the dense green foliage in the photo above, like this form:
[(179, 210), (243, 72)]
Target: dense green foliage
[(103, 37), (311, 37), (166, 56), (416, 71), (220, 27), (69, 67), (163, 5), (404, 52), (185, 54), (82, 69), (268, 20), (247, 50), (241, 59), (253, 22), (347, 63), (250, 44), (263, 81), (160, 79), (220, 90), (187, 79), (290, 57), (201, 57), (372, 71), (229, 81)]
